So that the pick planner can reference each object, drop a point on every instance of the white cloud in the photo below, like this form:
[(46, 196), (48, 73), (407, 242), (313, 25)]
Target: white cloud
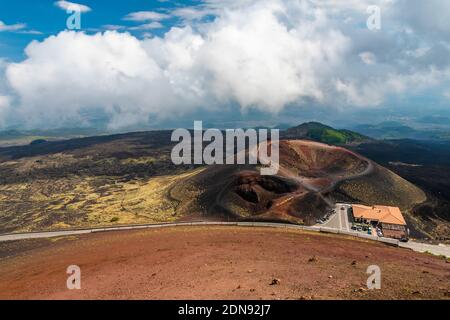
[(429, 17), (32, 32), (66, 5), (354, 5), (192, 13), (146, 16), (147, 26), (142, 27), (114, 27), (111, 71), (265, 65), (258, 65), (368, 57), (4, 101), (263, 55), (12, 27), (447, 94)]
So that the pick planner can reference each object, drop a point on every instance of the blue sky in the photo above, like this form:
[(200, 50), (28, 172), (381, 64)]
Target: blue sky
[(45, 17), (137, 63)]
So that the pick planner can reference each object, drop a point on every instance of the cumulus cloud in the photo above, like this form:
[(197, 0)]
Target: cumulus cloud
[(66, 5), (265, 55), (269, 65), (111, 71), (150, 20)]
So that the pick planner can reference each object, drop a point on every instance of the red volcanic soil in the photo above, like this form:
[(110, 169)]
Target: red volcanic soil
[(217, 263)]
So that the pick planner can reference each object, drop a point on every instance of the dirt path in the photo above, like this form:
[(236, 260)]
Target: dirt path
[(217, 263)]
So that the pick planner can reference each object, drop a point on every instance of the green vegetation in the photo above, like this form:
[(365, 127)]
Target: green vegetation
[(332, 136), (322, 133), (391, 130)]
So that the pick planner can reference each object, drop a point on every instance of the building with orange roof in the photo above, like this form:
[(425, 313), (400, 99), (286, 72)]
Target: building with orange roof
[(388, 219)]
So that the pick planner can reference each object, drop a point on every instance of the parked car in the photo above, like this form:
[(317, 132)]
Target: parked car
[(404, 239), (379, 233)]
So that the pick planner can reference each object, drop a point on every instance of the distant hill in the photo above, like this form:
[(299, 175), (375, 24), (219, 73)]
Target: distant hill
[(322, 133), (396, 130), (16, 137), (436, 120)]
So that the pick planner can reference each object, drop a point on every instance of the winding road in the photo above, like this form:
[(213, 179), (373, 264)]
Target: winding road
[(440, 250)]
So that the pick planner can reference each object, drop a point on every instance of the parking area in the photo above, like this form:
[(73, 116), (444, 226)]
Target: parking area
[(340, 218)]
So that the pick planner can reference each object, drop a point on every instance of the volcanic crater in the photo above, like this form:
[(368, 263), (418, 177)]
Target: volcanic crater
[(305, 188)]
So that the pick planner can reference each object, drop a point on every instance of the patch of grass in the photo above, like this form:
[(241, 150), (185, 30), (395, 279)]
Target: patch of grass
[(332, 136), (322, 133)]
